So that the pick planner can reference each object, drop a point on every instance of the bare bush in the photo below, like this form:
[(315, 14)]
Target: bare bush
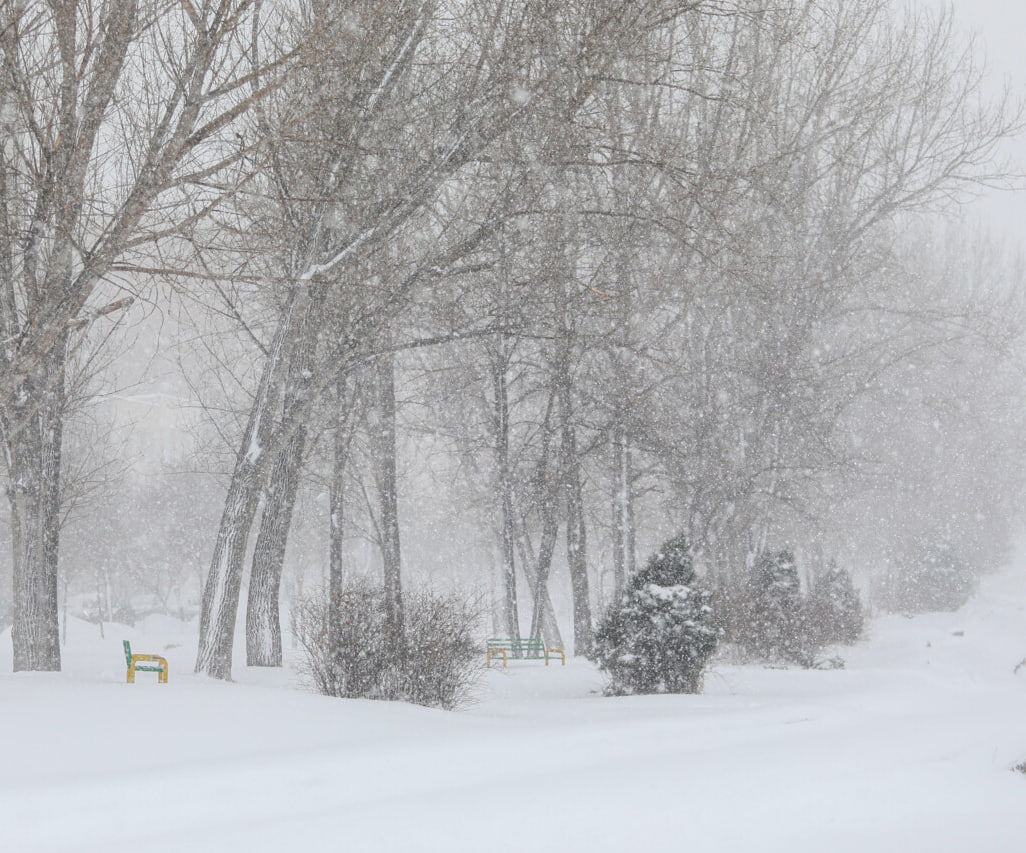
[(349, 652)]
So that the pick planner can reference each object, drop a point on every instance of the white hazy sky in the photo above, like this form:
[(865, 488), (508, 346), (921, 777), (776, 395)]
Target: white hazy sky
[(1000, 26)]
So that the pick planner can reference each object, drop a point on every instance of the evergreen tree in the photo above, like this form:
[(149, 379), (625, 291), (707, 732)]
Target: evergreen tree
[(773, 628), (833, 611), (659, 636)]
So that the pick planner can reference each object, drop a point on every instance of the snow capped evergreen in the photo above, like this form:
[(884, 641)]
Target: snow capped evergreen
[(658, 637)]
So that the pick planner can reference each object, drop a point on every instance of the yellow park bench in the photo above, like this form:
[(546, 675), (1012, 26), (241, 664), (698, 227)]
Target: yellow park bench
[(533, 648), (133, 660)]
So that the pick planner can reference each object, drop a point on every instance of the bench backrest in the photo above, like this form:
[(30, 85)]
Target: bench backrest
[(531, 644), (128, 653)]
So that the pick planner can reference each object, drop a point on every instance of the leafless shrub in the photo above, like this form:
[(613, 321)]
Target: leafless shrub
[(438, 666)]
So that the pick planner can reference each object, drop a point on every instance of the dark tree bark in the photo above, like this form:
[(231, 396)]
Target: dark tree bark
[(62, 232), (548, 626)]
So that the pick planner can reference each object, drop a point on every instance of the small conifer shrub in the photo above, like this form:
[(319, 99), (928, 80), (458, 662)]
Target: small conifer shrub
[(833, 610), (772, 626), (766, 617), (659, 636)]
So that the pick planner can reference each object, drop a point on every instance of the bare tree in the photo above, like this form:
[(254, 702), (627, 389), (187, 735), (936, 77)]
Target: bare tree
[(117, 131), (482, 67)]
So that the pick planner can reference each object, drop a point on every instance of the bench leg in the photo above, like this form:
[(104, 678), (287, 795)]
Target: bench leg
[(161, 673)]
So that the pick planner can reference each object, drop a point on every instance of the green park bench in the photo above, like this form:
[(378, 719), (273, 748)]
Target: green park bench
[(132, 662), (532, 648)]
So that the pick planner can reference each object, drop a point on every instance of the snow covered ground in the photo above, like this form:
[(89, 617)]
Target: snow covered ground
[(907, 749)]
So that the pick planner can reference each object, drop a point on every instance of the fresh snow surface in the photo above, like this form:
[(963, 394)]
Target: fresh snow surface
[(909, 748)]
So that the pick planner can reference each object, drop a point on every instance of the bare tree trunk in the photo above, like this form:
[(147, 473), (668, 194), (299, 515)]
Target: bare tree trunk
[(623, 510), (630, 545), (548, 626), (221, 591), (619, 513), (510, 613), (263, 625), (388, 494), (570, 475), (543, 615), (34, 494), (336, 528), (64, 612), (550, 529), (576, 545)]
